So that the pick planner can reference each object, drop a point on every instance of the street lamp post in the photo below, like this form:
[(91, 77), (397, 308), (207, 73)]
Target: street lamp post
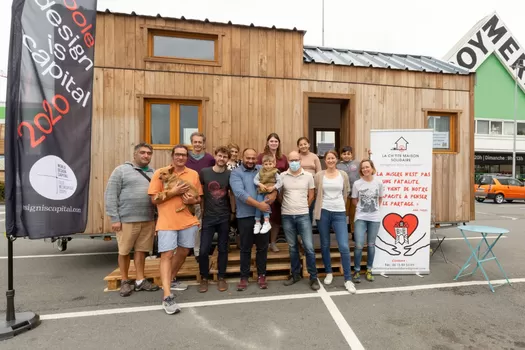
[(517, 67)]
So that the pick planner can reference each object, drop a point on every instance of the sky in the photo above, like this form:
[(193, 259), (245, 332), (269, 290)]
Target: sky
[(402, 26)]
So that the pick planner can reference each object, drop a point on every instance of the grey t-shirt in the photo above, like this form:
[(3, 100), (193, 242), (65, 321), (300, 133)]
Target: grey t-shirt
[(368, 194), (351, 168)]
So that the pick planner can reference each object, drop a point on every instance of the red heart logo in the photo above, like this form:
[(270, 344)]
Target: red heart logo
[(393, 220)]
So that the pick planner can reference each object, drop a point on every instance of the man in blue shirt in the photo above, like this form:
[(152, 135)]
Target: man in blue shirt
[(243, 187)]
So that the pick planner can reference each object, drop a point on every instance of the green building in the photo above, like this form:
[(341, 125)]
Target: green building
[(490, 50)]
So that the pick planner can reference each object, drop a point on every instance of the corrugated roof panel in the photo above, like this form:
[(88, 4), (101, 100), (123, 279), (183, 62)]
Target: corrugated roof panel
[(358, 58), (206, 20)]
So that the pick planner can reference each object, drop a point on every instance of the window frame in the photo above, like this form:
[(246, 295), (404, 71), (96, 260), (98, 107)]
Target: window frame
[(174, 118), (152, 31), (454, 116), (504, 121)]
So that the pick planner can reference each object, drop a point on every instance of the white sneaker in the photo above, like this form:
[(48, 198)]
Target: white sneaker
[(257, 228), (266, 227), (350, 287), (329, 278)]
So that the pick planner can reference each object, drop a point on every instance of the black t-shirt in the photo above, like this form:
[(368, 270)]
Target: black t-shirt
[(216, 200)]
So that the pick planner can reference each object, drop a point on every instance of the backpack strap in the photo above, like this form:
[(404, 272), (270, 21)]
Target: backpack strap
[(142, 173)]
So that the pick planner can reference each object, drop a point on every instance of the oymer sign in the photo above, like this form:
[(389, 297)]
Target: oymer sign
[(490, 35)]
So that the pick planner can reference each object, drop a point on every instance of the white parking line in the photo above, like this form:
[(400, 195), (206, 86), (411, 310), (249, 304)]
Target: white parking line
[(66, 315), (509, 217), (432, 286), (57, 255), (340, 321), (461, 238)]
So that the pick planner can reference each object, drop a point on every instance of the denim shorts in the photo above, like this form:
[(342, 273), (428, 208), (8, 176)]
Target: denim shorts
[(170, 240)]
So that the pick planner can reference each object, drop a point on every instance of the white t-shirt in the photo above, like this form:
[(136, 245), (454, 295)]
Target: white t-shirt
[(333, 194), (295, 192), (368, 194)]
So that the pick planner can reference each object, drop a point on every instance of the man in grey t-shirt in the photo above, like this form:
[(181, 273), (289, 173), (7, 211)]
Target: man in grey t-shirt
[(132, 216)]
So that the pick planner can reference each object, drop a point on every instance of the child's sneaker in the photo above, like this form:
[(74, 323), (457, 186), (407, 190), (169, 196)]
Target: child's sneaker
[(257, 228), (369, 276), (356, 277), (266, 227)]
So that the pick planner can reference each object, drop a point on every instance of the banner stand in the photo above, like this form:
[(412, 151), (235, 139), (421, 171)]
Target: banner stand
[(15, 323)]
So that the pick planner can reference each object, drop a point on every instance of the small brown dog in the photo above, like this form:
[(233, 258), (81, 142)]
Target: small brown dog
[(170, 180)]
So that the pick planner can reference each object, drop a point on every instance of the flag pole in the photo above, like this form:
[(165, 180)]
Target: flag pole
[(14, 323), (323, 25)]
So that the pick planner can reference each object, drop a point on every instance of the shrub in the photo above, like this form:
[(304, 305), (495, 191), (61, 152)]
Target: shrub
[(2, 191)]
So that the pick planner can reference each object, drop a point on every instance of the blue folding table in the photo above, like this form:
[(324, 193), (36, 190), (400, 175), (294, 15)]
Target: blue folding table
[(475, 252)]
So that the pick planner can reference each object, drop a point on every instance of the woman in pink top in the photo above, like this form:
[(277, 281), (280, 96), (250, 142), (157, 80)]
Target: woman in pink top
[(273, 147), (309, 162)]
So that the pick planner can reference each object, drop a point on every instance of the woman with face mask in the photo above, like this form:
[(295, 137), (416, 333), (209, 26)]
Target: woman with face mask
[(332, 187)]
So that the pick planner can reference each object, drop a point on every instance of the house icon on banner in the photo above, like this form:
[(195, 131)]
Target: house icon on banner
[(400, 144)]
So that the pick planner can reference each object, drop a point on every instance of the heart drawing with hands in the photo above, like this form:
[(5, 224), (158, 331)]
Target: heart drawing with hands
[(394, 221)]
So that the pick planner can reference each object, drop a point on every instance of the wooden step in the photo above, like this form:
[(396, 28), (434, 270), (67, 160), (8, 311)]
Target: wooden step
[(337, 266), (189, 273), (278, 266), (275, 270)]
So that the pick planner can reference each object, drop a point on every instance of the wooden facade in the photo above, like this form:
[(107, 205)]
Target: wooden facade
[(260, 85)]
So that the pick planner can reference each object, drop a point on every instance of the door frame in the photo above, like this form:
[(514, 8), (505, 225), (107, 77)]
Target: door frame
[(348, 107)]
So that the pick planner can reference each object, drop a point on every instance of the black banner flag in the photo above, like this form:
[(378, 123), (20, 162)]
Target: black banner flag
[(48, 117)]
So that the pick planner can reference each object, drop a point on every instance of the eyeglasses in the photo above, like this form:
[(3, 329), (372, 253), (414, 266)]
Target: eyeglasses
[(180, 154)]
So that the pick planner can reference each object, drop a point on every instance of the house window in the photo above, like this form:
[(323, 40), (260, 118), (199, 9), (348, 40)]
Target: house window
[(496, 128), (168, 122), (182, 47), (444, 126), (521, 129), (493, 127), (508, 128), (483, 127)]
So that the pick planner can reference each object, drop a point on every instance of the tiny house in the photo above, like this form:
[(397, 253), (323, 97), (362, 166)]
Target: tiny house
[(159, 79)]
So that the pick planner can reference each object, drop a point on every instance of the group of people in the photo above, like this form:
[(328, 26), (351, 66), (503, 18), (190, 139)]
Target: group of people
[(254, 193)]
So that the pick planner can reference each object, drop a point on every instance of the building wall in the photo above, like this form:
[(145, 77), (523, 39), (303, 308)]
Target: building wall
[(495, 110), (495, 92), (261, 91)]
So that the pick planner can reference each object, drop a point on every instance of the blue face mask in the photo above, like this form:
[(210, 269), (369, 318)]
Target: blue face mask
[(295, 165)]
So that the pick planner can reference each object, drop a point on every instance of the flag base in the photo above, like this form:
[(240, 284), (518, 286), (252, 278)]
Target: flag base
[(23, 321)]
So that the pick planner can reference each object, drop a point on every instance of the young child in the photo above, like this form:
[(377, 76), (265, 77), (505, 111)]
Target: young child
[(267, 180)]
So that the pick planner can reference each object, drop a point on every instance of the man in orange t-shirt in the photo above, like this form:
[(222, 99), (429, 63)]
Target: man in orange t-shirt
[(176, 230)]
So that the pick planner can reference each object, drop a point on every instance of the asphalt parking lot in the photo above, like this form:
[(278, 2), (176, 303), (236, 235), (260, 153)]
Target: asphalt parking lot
[(397, 312)]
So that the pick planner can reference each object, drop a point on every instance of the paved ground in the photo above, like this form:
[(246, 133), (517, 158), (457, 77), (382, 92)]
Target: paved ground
[(398, 312)]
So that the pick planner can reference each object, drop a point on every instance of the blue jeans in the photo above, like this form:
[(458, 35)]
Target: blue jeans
[(294, 225), (372, 228), (337, 220), (260, 198), (311, 210)]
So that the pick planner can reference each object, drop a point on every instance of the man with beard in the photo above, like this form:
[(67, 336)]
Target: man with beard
[(199, 159), (132, 216), (176, 229), (243, 187), (216, 208)]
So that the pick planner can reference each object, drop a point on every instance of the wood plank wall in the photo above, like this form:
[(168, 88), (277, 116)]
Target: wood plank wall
[(259, 89)]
